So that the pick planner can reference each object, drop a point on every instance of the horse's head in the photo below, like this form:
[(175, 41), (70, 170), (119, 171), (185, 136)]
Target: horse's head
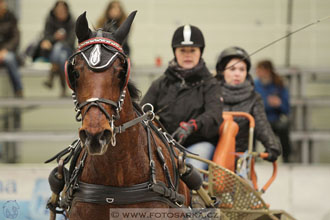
[(98, 74)]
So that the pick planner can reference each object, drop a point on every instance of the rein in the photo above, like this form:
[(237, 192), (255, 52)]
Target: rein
[(96, 102), (151, 190)]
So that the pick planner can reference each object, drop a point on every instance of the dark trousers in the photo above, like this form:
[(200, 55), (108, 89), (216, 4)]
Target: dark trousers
[(282, 130)]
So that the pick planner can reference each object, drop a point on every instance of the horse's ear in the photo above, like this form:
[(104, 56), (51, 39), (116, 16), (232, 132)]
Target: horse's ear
[(123, 30), (82, 30)]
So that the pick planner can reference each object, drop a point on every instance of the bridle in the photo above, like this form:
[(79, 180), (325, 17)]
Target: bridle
[(97, 102), (72, 187), (152, 190), (94, 59)]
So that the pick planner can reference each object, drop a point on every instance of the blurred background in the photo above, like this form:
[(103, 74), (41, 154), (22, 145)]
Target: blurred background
[(42, 122)]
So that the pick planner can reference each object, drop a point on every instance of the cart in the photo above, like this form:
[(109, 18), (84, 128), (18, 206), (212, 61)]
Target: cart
[(237, 191)]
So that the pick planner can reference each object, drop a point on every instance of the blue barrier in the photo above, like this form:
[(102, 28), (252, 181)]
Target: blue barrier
[(24, 194)]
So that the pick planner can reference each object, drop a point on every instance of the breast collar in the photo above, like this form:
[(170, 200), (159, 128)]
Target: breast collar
[(150, 191)]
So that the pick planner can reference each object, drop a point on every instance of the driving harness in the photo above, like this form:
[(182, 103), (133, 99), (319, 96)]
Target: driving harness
[(150, 191), (76, 190)]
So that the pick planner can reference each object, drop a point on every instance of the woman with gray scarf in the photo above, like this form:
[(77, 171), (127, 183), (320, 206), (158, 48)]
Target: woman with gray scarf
[(238, 94)]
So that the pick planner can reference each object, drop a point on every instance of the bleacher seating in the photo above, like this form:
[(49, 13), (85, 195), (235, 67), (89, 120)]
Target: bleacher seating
[(45, 116)]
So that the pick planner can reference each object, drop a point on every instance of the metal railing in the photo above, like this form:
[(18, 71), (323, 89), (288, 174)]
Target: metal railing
[(297, 80)]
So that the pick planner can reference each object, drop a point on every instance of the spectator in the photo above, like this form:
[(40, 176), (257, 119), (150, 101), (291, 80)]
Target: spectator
[(9, 40), (187, 96), (116, 15), (58, 42), (276, 100), (237, 86)]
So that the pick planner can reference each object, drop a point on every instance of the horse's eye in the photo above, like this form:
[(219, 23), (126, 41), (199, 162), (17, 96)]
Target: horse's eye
[(122, 74)]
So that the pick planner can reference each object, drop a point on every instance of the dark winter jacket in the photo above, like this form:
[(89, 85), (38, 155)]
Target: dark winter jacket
[(243, 98), (183, 95), (52, 25), (9, 34)]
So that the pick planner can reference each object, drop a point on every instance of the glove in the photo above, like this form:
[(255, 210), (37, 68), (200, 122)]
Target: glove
[(185, 129), (272, 155)]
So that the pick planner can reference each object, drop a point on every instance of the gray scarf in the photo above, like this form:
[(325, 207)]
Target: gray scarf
[(185, 73), (238, 93)]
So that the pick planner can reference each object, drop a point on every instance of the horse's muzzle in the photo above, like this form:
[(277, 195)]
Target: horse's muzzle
[(96, 143)]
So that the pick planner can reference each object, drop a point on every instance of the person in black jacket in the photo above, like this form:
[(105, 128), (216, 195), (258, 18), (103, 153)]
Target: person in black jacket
[(9, 40), (58, 42), (187, 97), (238, 94)]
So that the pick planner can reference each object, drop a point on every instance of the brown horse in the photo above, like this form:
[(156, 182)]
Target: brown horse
[(120, 151)]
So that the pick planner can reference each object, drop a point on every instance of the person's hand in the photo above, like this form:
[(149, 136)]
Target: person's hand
[(46, 45), (272, 155), (274, 101), (185, 129), (60, 34)]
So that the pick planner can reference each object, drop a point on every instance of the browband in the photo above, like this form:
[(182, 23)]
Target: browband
[(100, 40)]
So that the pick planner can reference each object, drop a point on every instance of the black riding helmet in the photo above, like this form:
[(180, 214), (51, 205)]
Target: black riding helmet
[(188, 35), (230, 53)]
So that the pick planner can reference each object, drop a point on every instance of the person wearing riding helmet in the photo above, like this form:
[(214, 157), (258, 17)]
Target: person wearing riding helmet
[(187, 97), (238, 94)]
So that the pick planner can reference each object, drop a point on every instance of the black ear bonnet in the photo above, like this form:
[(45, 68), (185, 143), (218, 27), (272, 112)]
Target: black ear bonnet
[(98, 49), (99, 54)]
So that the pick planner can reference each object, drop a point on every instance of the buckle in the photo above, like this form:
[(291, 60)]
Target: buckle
[(110, 200)]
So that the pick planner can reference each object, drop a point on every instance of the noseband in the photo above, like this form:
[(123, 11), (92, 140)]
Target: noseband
[(97, 102)]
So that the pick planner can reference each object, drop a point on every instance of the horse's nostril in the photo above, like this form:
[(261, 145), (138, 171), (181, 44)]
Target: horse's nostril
[(105, 136), (83, 135), (102, 137)]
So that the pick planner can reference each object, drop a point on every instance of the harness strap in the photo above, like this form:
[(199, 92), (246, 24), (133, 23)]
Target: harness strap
[(70, 149), (75, 157), (150, 191), (59, 155), (106, 101), (152, 162), (72, 183), (96, 102), (170, 150), (138, 193), (169, 193), (128, 124), (164, 166)]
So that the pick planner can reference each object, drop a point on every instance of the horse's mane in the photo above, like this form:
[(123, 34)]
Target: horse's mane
[(134, 92), (109, 27)]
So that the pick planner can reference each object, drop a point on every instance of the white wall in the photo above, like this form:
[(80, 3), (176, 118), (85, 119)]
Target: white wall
[(247, 23)]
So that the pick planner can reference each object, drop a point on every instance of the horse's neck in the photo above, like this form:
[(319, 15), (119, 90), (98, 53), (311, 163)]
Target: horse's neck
[(125, 163)]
